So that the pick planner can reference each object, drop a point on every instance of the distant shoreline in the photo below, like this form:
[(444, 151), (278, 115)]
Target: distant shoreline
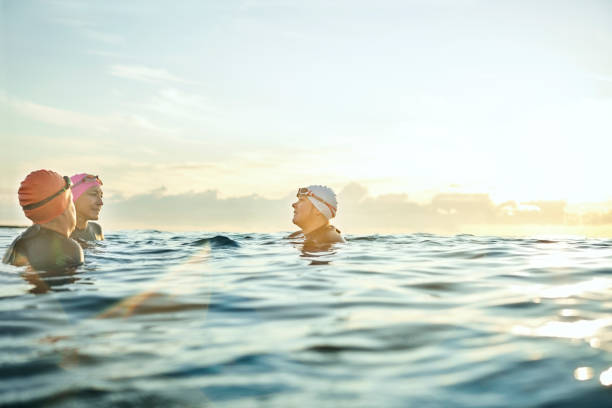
[(13, 226)]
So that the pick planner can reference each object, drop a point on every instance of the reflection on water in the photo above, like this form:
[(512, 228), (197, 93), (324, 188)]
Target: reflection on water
[(43, 281), (583, 373), (594, 285), (581, 329), (193, 319), (606, 377)]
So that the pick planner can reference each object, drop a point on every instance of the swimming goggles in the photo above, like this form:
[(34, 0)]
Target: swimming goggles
[(88, 179), (305, 192), (46, 200)]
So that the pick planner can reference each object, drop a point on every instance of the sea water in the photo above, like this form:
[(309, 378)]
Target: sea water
[(201, 319)]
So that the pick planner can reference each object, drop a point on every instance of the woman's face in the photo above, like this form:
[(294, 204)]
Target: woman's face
[(302, 211), (89, 204)]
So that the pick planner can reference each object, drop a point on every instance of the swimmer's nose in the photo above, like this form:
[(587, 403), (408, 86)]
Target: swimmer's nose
[(293, 205)]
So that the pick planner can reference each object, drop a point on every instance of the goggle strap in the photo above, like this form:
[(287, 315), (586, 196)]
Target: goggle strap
[(87, 179)]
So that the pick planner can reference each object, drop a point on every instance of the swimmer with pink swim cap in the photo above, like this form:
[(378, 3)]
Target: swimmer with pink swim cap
[(87, 196), (315, 206)]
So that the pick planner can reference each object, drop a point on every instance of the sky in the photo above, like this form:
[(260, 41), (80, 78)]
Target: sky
[(442, 116)]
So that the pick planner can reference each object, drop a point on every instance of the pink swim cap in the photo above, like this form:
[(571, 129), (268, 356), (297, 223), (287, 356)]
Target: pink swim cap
[(83, 182)]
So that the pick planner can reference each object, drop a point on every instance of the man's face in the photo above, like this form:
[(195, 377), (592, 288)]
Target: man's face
[(89, 204), (302, 211)]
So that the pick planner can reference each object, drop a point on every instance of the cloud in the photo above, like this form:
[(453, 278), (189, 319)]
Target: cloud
[(604, 78), (604, 85), (91, 30), (596, 218), (193, 166), (448, 213), (146, 74), (202, 210), (104, 37), (60, 117), (74, 22), (73, 119), (110, 54), (445, 214), (395, 213), (179, 104), (353, 192)]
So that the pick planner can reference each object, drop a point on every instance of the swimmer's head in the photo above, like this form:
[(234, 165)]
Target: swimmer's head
[(322, 198), (44, 195), (87, 196), (83, 182)]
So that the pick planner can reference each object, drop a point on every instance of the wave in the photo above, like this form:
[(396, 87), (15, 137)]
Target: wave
[(218, 241)]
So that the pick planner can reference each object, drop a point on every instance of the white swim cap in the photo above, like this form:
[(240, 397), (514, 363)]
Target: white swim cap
[(322, 197)]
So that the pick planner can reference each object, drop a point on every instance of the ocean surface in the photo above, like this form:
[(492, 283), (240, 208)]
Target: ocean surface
[(205, 319)]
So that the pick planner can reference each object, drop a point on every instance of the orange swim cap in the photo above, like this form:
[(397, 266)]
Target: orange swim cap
[(44, 195)]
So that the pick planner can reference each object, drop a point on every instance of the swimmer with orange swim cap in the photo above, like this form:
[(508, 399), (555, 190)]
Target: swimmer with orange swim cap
[(315, 206), (87, 196), (46, 199)]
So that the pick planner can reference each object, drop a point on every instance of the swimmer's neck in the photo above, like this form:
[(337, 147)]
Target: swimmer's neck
[(57, 227), (314, 226), (81, 222)]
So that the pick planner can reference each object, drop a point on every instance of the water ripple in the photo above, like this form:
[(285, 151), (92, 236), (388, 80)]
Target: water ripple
[(157, 318)]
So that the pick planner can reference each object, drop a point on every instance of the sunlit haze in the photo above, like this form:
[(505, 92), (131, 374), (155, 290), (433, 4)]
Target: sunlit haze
[(444, 116)]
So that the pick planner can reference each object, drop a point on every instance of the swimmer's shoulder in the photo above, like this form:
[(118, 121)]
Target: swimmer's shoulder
[(68, 256), (96, 230), (92, 232), (50, 250), (16, 253), (333, 235), (325, 235), (74, 254)]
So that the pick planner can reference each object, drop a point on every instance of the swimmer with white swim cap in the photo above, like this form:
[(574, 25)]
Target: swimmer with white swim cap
[(315, 206)]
